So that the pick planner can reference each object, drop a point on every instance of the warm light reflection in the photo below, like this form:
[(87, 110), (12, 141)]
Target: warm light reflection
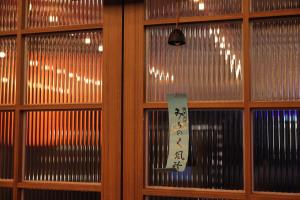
[(87, 41), (61, 68), (2, 54), (201, 6), (53, 18), (161, 75), (4, 80), (100, 48)]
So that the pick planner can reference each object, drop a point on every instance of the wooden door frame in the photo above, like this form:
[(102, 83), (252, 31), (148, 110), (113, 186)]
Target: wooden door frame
[(110, 186)]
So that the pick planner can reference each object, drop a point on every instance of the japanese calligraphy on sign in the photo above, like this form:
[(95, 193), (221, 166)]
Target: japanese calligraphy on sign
[(179, 132)]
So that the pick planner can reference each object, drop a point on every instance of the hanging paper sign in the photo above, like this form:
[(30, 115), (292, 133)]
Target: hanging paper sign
[(179, 132)]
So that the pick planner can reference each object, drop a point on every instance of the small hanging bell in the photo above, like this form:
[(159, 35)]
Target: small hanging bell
[(176, 38)]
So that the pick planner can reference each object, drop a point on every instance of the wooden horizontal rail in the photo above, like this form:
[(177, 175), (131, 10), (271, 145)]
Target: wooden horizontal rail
[(295, 104), (152, 22), (55, 29), (192, 192), (7, 183), (8, 33), (275, 13), (274, 196), (192, 104), (66, 186), (60, 107), (7, 107)]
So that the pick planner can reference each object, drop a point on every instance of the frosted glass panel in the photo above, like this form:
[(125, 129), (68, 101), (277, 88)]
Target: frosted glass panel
[(8, 15), (6, 144), (275, 58), (276, 149), (6, 194), (60, 195), (208, 67), (268, 5), (7, 70), (168, 8), (215, 150), (63, 146), (64, 68), (44, 13)]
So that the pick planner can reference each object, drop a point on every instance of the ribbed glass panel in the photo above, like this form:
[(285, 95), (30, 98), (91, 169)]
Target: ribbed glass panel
[(168, 8), (180, 198), (63, 146), (60, 195), (276, 150), (45, 13), (7, 70), (269, 5), (275, 59), (6, 144), (208, 67), (8, 15), (215, 150), (6, 194), (64, 68)]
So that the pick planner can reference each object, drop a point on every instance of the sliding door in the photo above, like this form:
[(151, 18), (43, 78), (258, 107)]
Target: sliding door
[(239, 69), (60, 112)]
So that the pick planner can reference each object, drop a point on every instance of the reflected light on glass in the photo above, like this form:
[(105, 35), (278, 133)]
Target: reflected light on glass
[(53, 18), (87, 41), (201, 6), (100, 48), (2, 54), (4, 80)]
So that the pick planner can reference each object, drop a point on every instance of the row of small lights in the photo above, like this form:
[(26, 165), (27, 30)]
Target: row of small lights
[(160, 74), (227, 52), (60, 71)]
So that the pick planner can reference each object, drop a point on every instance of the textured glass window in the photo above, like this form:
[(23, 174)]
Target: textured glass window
[(6, 194), (60, 195), (276, 150), (215, 150), (180, 198), (6, 144), (208, 67), (44, 13), (64, 68), (8, 16), (275, 58), (268, 5), (63, 146), (168, 8), (7, 70)]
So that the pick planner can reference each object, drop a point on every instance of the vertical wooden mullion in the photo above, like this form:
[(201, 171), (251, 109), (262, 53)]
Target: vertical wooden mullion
[(133, 113), (112, 95), (18, 138), (247, 100)]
